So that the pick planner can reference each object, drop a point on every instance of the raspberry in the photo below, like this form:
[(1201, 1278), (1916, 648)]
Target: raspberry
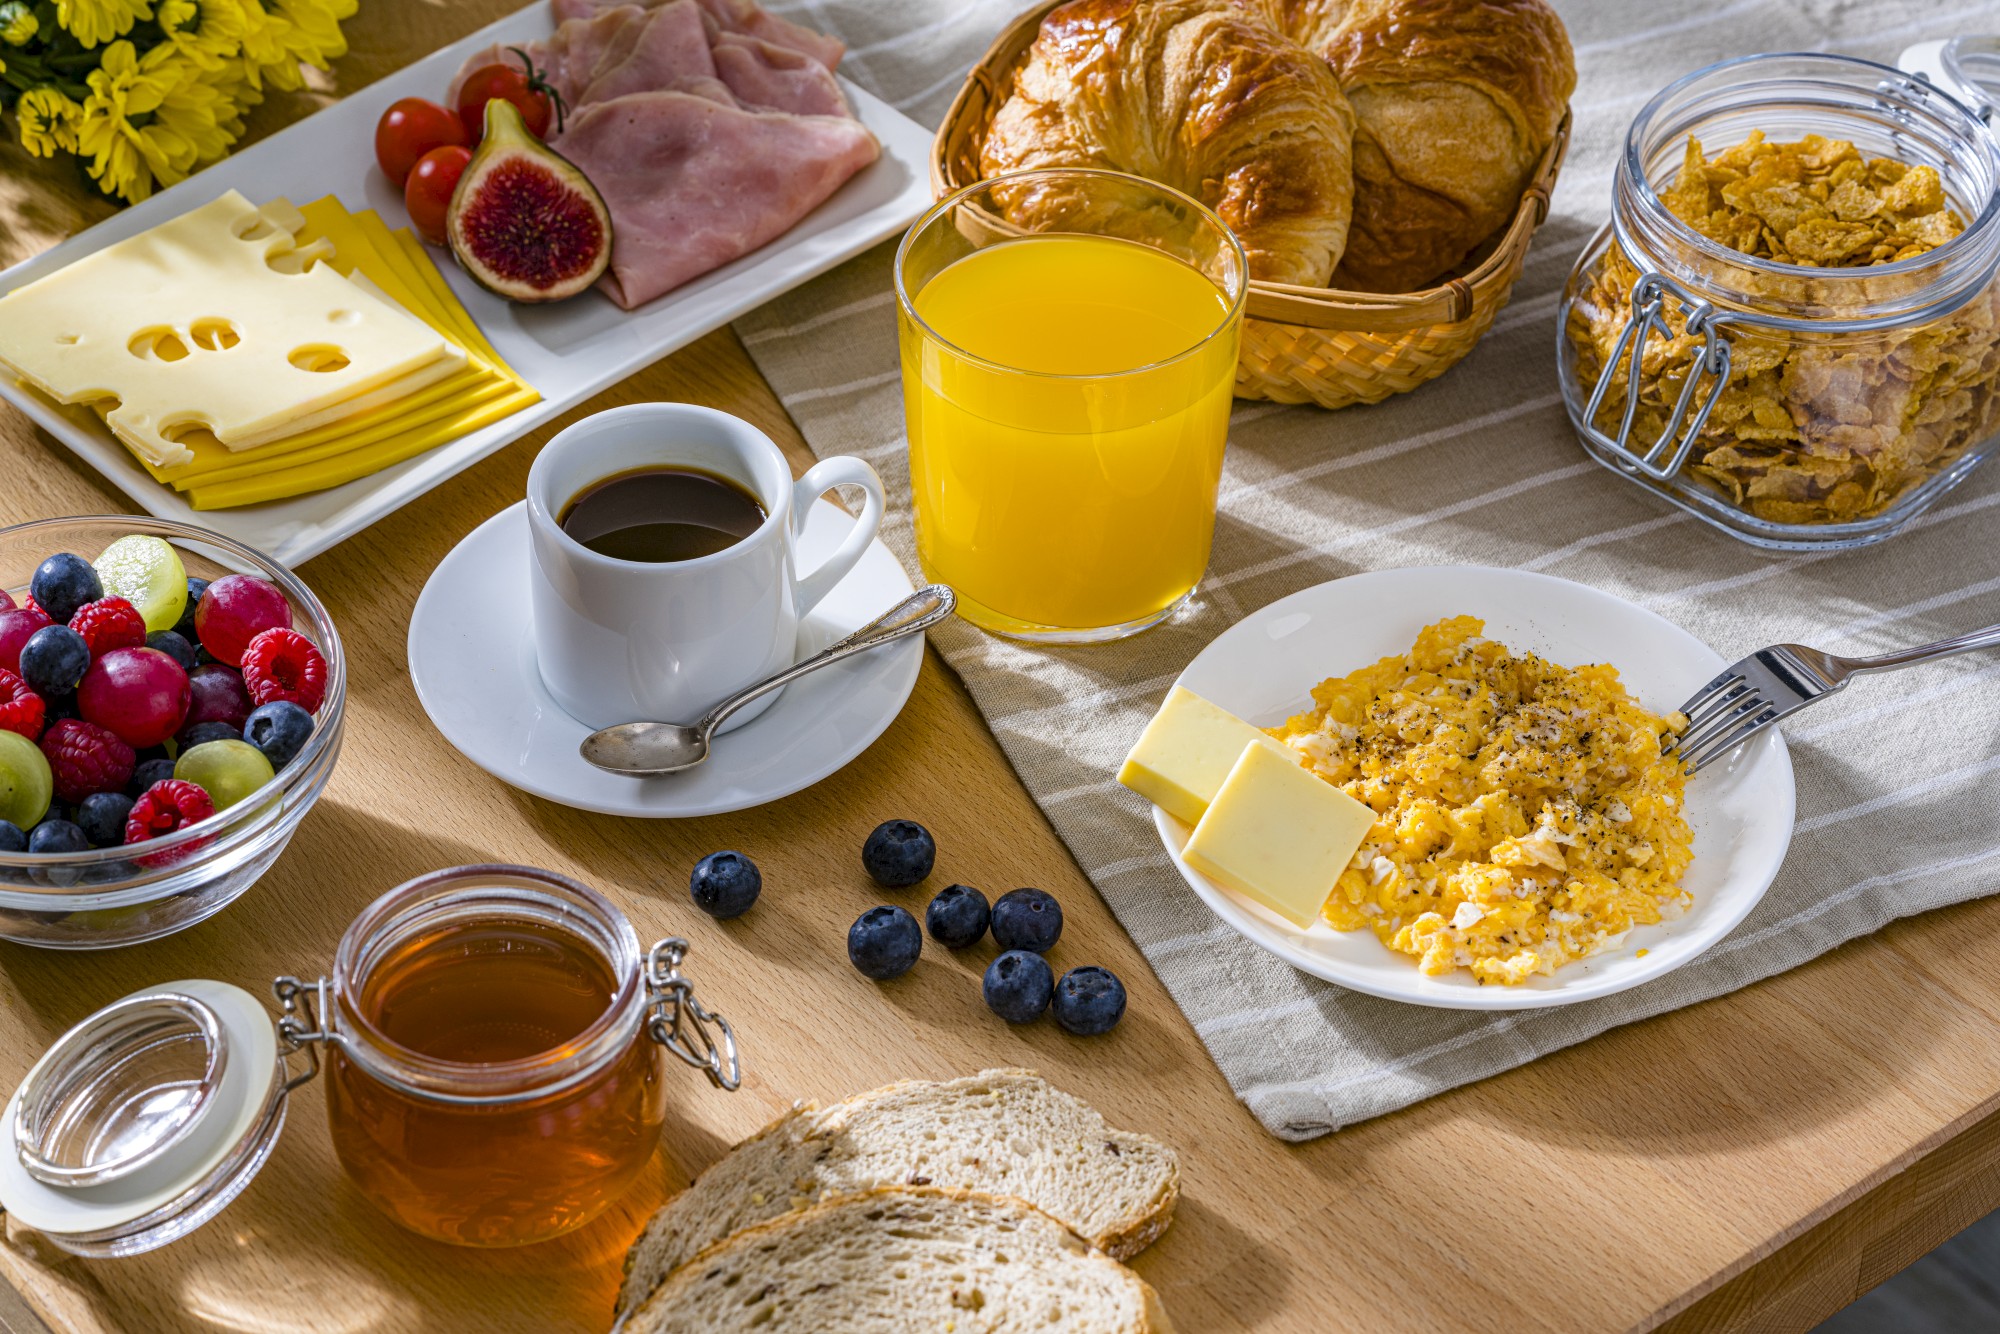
[(21, 709), (284, 665), (109, 623), (161, 809), (85, 758)]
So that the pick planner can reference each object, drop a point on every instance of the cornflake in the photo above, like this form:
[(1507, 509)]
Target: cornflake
[(1810, 428)]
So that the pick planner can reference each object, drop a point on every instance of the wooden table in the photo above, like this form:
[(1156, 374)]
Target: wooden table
[(1751, 1163)]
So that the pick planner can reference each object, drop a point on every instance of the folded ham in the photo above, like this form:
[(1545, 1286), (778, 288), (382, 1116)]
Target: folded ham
[(709, 126)]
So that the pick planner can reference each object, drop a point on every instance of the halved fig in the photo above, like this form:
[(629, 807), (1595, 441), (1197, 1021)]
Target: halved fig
[(524, 221)]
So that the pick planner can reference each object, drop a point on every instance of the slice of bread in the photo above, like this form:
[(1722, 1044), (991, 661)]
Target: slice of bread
[(905, 1260), (1004, 1132)]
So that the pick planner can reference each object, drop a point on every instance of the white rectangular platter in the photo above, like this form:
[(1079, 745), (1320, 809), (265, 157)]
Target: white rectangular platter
[(567, 351)]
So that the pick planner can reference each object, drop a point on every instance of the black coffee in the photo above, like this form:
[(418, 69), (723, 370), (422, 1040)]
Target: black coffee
[(662, 514)]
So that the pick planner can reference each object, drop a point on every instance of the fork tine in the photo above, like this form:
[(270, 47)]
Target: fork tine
[(1706, 697), (1713, 748), (1716, 704), (1742, 705)]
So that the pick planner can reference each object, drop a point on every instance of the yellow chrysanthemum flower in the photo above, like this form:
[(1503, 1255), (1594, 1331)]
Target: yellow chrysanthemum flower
[(95, 22), (150, 121), (280, 35), (18, 24), (48, 121), (205, 32)]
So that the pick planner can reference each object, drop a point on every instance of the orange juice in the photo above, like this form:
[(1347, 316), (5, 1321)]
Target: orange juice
[(1067, 404)]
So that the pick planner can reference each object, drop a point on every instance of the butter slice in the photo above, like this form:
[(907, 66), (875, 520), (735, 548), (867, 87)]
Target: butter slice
[(1278, 834), (1185, 753)]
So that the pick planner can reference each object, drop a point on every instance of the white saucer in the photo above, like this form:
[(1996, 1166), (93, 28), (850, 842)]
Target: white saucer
[(472, 659), (1263, 667)]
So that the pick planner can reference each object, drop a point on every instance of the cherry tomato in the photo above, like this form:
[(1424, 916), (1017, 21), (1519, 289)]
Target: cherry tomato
[(411, 128), (427, 194), (518, 83)]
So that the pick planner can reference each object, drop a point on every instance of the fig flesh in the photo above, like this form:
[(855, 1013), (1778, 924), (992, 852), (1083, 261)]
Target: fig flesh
[(524, 222)]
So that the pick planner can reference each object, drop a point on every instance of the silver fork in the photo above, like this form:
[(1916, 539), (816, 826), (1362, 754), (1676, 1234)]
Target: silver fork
[(1776, 682)]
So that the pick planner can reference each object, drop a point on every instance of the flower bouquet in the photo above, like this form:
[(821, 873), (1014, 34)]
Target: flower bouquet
[(144, 92)]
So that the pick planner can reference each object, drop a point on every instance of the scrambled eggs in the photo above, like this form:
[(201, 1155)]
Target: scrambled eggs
[(1524, 814)]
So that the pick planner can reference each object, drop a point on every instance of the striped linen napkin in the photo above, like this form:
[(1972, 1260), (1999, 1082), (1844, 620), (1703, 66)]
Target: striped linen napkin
[(1896, 813)]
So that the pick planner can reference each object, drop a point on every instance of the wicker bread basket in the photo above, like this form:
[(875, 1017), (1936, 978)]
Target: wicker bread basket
[(1301, 344)]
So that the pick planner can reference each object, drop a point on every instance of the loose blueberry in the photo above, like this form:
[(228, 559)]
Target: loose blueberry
[(1027, 919), (102, 816), (149, 772), (175, 646), (57, 836), (724, 884), (1089, 1000), (280, 731), (11, 837), (1018, 985), (62, 583), (184, 627), (884, 942), (899, 853), (958, 916), (53, 660), (190, 737)]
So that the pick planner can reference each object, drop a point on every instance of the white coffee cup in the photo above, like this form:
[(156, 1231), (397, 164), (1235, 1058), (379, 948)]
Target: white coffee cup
[(625, 641)]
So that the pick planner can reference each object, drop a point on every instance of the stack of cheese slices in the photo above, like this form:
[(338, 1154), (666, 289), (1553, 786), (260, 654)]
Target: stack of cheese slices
[(991, 1202), (246, 353)]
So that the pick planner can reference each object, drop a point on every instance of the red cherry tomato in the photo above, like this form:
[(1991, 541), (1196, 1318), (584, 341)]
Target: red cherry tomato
[(411, 128), (427, 194), (519, 83)]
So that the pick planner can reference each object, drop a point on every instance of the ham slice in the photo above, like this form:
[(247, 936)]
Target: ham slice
[(670, 54), (693, 184), (763, 74), (739, 16), (570, 58)]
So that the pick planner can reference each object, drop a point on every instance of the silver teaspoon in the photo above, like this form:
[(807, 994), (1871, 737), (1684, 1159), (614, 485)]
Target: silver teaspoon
[(644, 750)]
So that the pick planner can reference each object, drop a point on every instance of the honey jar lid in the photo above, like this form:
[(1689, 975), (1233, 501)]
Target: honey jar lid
[(140, 1123)]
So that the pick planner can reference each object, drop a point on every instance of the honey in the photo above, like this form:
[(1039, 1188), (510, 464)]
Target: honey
[(495, 1086)]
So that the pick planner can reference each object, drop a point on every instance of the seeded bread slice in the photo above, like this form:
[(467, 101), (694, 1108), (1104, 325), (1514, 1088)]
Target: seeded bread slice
[(905, 1260), (1004, 1132)]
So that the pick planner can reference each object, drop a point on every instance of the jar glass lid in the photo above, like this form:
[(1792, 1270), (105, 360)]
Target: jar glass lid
[(141, 1122)]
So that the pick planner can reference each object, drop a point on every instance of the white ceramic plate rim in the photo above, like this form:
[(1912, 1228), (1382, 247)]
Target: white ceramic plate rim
[(891, 673), (1761, 772), (567, 351)]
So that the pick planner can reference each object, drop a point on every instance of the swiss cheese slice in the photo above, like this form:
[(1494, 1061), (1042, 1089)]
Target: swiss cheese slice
[(217, 321)]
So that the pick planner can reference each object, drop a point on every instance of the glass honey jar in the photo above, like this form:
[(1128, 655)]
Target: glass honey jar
[(492, 1042)]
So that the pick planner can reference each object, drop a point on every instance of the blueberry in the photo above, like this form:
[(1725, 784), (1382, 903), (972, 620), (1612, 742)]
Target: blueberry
[(175, 646), (11, 837), (102, 818), (53, 660), (55, 836), (724, 884), (957, 917), (1017, 986), (1027, 919), (884, 942), (899, 853), (62, 583), (1090, 1000), (148, 773), (184, 627), (190, 737), (280, 731)]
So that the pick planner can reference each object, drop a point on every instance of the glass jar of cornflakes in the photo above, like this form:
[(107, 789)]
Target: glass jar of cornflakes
[(1791, 326)]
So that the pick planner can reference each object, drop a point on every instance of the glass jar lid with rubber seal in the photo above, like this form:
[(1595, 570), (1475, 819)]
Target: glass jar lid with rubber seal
[(1790, 327), (492, 1039)]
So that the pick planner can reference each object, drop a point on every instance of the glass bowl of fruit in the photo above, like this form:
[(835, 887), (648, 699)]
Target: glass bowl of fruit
[(170, 707)]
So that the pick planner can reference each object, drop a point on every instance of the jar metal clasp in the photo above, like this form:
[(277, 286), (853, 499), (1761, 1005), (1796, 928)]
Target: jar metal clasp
[(300, 1026), (1677, 437), (682, 1024)]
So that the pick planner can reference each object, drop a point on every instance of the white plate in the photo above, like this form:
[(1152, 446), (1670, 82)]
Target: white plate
[(567, 351), (472, 659), (1264, 667)]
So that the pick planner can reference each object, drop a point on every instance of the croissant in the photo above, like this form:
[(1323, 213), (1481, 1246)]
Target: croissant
[(1454, 103), (1200, 95)]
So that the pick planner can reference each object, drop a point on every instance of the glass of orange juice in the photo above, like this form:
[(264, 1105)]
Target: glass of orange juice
[(1069, 341)]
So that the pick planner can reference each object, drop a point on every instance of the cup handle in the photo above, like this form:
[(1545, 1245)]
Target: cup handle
[(842, 470)]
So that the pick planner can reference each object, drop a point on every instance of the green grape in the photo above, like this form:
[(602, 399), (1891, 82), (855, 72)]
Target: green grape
[(25, 781), (228, 771), (146, 572)]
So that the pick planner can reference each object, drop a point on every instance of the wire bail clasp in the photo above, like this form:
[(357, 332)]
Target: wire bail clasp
[(300, 1028), (681, 1024), (1649, 297)]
